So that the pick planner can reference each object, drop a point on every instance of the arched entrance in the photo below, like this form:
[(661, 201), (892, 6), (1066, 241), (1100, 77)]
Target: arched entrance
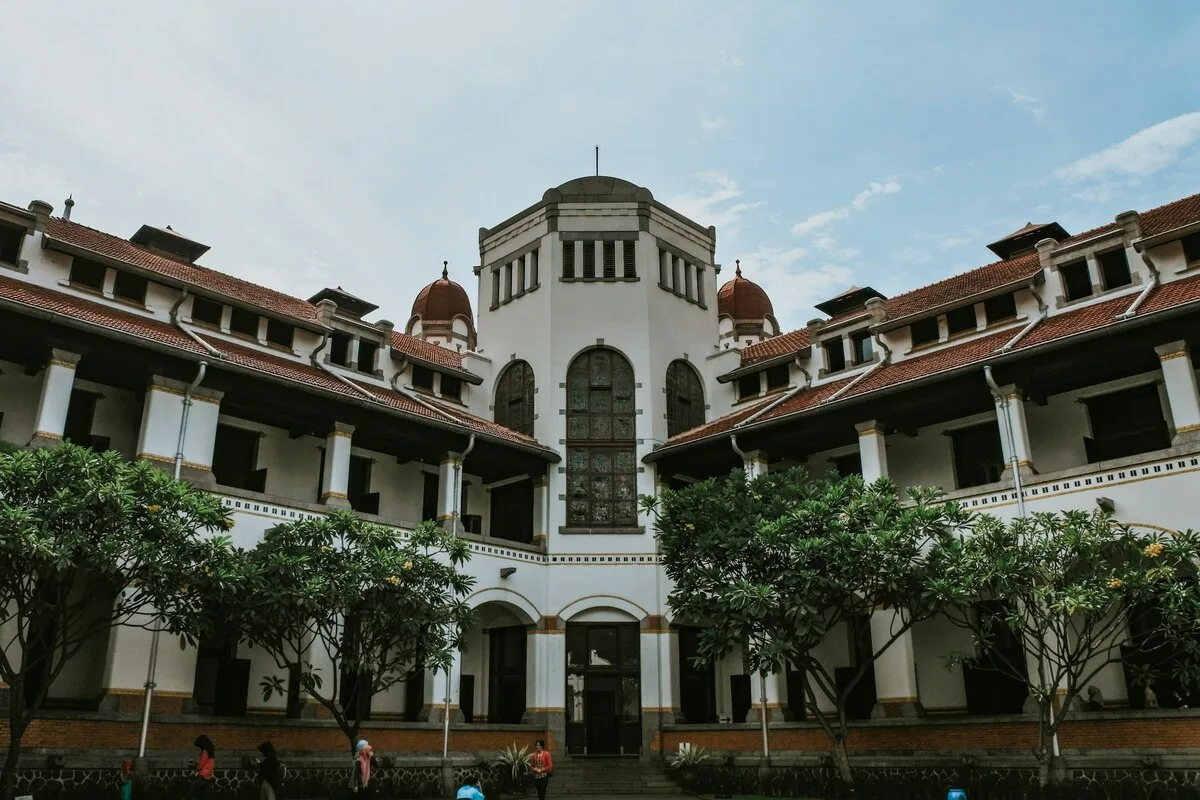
[(603, 692), (495, 660)]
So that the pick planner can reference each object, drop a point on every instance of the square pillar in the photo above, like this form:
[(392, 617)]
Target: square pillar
[(771, 690), (545, 681), (126, 665), (444, 686), (756, 464), (162, 418), (541, 497), (450, 492), (659, 650), (335, 481), (1020, 432), (1182, 394), (51, 419), (896, 693), (872, 450)]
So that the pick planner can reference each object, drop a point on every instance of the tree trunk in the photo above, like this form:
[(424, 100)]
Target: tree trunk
[(842, 758), (1057, 770), (16, 729)]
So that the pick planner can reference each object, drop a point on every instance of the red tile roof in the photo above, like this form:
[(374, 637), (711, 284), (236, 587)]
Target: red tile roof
[(1170, 216), (426, 351), (296, 372), (114, 247), (784, 344)]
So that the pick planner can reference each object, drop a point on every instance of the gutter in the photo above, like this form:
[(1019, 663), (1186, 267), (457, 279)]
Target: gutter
[(416, 398), (1043, 312), (150, 344), (1094, 333), (783, 398), (179, 325), (883, 362), (320, 365), (895, 323), (1150, 287), (766, 363)]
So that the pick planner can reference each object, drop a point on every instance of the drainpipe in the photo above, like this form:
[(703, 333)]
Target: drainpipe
[(1043, 310), (1154, 278), (212, 351), (741, 453), (762, 712), (152, 667), (321, 365), (883, 362), (454, 517), (788, 395), (421, 401)]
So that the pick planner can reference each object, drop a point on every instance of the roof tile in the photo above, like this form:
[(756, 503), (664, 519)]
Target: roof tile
[(426, 351)]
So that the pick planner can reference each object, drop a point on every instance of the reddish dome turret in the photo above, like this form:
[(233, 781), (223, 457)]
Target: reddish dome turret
[(442, 313), (745, 311)]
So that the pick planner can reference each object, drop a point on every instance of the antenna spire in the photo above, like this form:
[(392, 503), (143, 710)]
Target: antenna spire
[(597, 161), (445, 270), (738, 271)]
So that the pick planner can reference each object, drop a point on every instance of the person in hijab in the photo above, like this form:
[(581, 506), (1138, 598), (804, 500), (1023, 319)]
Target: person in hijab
[(126, 780), (202, 787), (270, 773), (360, 779)]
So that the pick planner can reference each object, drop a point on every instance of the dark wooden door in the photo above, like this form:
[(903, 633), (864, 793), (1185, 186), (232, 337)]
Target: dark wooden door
[(601, 712)]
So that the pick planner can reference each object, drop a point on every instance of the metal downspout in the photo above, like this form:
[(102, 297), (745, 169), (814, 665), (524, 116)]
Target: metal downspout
[(454, 522), (762, 677), (152, 667), (1150, 287), (1043, 311), (883, 362), (792, 392)]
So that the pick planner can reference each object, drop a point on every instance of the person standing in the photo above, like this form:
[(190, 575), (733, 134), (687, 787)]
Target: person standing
[(202, 786), (360, 779), (270, 773), (542, 767)]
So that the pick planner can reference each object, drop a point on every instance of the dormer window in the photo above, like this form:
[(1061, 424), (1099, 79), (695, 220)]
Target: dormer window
[(1076, 279), (778, 376), (244, 323), (749, 386), (1191, 248), (130, 287), (87, 274), (451, 387), (863, 347), (278, 333), (366, 355), (208, 312), (422, 378), (339, 349), (924, 331), (1114, 269), (999, 308), (835, 355), (961, 320), (11, 239)]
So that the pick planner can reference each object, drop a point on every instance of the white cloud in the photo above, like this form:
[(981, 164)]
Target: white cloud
[(712, 124), (714, 205), (861, 200), (793, 285), (953, 241), (1024, 101), (1142, 154)]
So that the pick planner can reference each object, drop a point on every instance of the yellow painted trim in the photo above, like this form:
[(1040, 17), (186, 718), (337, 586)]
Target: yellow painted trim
[(142, 692), (168, 460), (884, 700), (1176, 354), (1188, 428), (543, 709), (334, 495), (870, 432), (343, 435), (54, 362)]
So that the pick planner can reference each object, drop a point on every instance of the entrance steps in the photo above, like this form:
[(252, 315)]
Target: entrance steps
[(610, 776)]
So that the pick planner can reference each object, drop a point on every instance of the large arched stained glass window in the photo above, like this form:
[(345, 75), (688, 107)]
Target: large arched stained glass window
[(601, 465), (685, 398), (514, 398)]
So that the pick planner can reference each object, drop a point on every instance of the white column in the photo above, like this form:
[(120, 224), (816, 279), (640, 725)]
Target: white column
[(872, 450), (51, 417), (125, 670), (756, 464), (450, 492), (545, 680), (1020, 430), (1182, 394), (445, 685), (896, 692), (773, 688), (659, 650), (541, 524), (162, 416), (336, 479)]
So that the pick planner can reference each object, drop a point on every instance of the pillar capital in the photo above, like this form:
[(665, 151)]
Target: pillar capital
[(871, 427), (202, 393), (63, 358), (335, 480), (343, 429), (1170, 350), (1183, 397), (872, 450)]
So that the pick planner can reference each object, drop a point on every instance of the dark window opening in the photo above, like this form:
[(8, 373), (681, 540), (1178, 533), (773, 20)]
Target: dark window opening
[(354, 693), (863, 347), (961, 320), (978, 455), (1191, 248), (699, 285), (924, 331), (601, 464), (422, 378), (989, 689), (10, 243), (689, 281), (685, 398), (243, 322), (514, 398), (358, 486), (778, 376), (207, 312), (506, 675), (1126, 423), (512, 512), (280, 333), (366, 355), (1000, 307), (610, 260), (568, 259), (81, 414), (508, 280), (451, 387), (414, 694), (749, 385), (1114, 269), (88, 274), (533, 269), (222, 681), (235, 459), (697, 684), (860, 699), (665, 260), (630, 259), (589, 259), (1077, 280), (495, 287), (835, 355), (430, 497), (849, 464), (339, 349), (128, 286)]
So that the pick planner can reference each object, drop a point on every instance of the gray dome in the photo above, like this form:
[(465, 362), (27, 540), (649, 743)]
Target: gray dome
[(598, 189)]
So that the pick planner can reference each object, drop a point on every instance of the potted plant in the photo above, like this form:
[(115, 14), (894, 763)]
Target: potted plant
[(514, 760), (687, 759)]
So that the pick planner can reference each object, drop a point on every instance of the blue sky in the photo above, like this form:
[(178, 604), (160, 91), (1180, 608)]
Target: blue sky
[(361, 144)]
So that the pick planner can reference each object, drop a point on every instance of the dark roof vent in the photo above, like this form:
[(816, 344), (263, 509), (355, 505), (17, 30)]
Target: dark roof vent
[(1025, 240), (849, 300), (347, 303), (167, 242)]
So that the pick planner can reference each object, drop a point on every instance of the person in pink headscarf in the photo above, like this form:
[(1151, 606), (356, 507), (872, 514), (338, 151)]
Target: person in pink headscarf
[(360, 779)]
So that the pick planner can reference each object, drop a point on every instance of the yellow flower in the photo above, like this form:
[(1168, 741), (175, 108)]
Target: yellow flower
[(154, 509), (326, 548), (1116, 583), (1154, 550), (393, 580), (408, 565)]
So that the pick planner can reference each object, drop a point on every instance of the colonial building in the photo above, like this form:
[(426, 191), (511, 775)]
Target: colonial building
[(609, 357)]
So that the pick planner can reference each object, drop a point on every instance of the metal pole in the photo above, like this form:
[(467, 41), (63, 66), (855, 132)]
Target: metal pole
[(762, 685), (446, 721)]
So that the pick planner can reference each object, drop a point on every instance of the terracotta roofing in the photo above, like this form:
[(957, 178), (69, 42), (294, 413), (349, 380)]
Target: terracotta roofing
[(114, 247), (426, 351), (1171, 215), (442, 301), (972, 351), (776, 346), (297, 372), (743, 299)]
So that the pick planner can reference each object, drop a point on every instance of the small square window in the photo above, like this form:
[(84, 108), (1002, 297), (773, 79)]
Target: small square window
[(610, 260), (1000, 307), (864, 348), (749, 386), (924, 331), (11, 239), (280, 333), (1114, 269), (589, 260), (244, 322), (422, 378), (339, 349), (207, 311), (366, 355), (961, 320), (568, 259), (1077, 281), (778, 376), (128, 286), (1191, 248), (88, 274), (835, 355), (630, 260), (451, 387)]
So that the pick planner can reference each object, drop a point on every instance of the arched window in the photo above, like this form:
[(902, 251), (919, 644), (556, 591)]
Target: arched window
[(685, 398), (601, 466), (514, 398)]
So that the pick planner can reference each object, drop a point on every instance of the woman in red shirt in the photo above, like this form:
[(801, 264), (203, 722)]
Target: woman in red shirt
[(203, 785), (542, 767)]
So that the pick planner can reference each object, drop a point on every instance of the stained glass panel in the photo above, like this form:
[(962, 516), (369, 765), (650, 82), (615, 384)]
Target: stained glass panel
[(514, 398), (685, 398)]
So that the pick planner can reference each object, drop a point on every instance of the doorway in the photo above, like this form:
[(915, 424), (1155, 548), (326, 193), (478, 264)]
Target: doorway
[(604, 709)]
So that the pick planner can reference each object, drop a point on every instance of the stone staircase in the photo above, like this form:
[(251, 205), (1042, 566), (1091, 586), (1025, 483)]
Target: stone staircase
[(610, 776)]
